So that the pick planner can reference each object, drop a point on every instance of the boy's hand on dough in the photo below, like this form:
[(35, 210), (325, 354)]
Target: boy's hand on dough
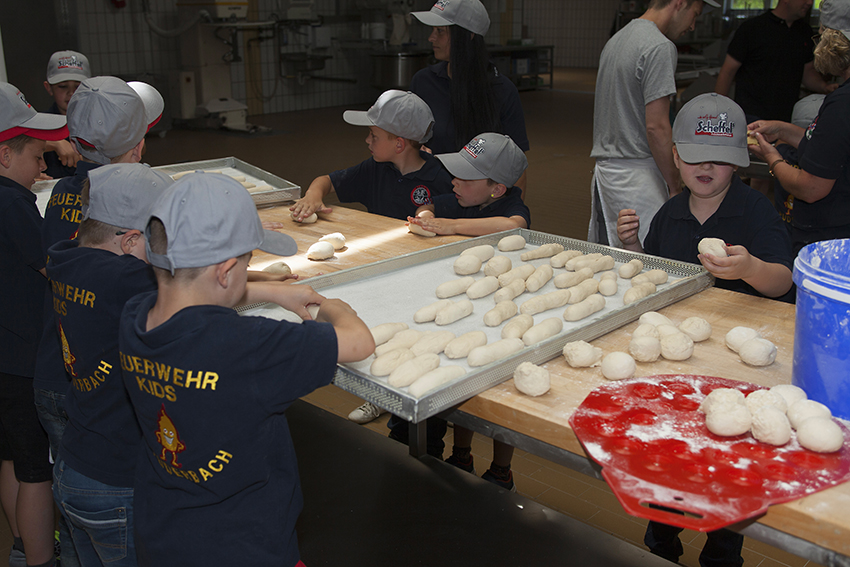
[(737, 266), (628, 224), (305, 207), (440, 226), (296, 298)]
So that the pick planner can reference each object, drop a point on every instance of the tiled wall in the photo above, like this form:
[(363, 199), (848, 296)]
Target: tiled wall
[(118, 41), (577, 29)]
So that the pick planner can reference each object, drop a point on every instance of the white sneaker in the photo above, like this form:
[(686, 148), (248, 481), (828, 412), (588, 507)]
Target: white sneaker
[(366, 413)]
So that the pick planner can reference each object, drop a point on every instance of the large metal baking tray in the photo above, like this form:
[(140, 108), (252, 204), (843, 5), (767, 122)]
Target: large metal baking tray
[(282, 191), (691, 278)]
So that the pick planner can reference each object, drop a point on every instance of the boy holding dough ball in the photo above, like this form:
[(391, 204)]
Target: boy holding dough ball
[(709, 144), (399, 177), (210, 388), (484, 199)]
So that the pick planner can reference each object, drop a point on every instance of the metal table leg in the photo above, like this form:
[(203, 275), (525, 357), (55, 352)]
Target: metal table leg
[(418, 439)]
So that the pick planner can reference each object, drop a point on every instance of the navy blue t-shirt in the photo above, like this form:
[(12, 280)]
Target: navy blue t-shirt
[(447, 207), (745, 218), (61, 221), (434, 86), (22, 299), (824, 151), (218, 482), (90, 287), (385, 191), (55, 169)]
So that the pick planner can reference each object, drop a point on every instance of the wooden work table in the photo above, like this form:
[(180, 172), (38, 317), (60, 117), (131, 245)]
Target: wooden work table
[(817, 527)]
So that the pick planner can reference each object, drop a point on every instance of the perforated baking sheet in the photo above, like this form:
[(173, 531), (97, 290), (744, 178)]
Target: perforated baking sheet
[(393, 290)]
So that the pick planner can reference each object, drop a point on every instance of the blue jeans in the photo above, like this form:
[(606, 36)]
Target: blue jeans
[(99, 516), (50, 406)]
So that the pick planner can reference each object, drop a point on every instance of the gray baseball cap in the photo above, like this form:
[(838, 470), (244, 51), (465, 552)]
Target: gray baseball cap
[(106, 118), (835, 14), (711, 127), (210, 218), (154, 105), (399, 113), (67, 66), (806, 110), (19, 118), (468, 14), (488, 156), (123, 194)]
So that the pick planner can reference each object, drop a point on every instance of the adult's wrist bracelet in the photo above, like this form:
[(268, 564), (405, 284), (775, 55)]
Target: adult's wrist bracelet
[(772, 165)]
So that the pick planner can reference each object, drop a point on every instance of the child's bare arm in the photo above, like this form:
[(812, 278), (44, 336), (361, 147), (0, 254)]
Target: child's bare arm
[(312, 201), (628, 224), (425, 212), (769, 279), (354, 341), (259, 276), (67, 153), (472, 227)]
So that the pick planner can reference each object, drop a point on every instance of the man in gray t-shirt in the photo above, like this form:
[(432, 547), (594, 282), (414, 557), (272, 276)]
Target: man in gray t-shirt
[(632, 137)]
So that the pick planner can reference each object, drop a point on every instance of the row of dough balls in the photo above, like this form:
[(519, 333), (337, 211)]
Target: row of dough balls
[(770, 415), (251, 187), (656, 336), (321, 250), (750, 346)]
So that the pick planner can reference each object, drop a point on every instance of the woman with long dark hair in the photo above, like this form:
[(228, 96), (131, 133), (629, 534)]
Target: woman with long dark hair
[(466, 93)]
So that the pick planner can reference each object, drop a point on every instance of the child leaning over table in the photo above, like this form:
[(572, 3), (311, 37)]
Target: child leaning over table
[(709, 144), (485, 200)]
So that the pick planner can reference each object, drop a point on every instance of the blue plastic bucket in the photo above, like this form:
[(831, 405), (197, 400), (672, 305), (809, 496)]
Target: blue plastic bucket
[(822, 332)]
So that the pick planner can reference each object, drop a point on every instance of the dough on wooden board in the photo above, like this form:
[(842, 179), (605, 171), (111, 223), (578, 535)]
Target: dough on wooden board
[(580, 354), (738, 336), (645, 349), (820, 434), (335, 238), (618, 366), (278, 268), (320, 251), (655, 318), (646, 330), (697, 328), (714, 246), (677, 347), (771, 426), (414, 228), (307, 220), (531, 379), (758, 352)]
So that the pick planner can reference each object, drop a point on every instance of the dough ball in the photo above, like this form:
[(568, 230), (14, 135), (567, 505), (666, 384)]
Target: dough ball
[(758, 352), (805, 409), (308, 220), (513, 242), (335, 238), (278, 268), (654, 318), (714, 246), (771, 426), (792, 394), (721, 397), (645, 349), (416, 229), (697, 328), (738, 336), (618, 366), (820, 434), (580, 354), (531, 379), (665, 329), (729, 420), (646, 330), (467, 264), (320, 251), (762, 398), (677, 347)]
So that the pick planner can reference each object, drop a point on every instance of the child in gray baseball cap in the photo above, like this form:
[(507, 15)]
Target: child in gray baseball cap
[(709, 144), (399, 177), (65, 71), (210, 388)]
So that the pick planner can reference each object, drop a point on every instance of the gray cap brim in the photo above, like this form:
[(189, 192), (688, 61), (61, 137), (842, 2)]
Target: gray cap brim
[(431, 19), (698, 153), (278, 243), (357, 118), (62, 77), (459, 167)]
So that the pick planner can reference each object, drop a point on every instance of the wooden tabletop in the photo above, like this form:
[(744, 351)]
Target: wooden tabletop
[(822, 518)]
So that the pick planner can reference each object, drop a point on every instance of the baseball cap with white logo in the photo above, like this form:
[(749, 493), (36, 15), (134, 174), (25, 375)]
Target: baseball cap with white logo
[(123, 194), (210, 218), (67, 66), (468, 14), (399, 113), (106, 118), (488, 156), (711, 127), (19, 118)]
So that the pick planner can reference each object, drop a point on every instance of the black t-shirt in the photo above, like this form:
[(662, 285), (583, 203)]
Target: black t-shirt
[(447, 207), (90, 287), (433, 85), (772, 58), (744, 218), (217, 482), (385, 191), (22, 299)]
